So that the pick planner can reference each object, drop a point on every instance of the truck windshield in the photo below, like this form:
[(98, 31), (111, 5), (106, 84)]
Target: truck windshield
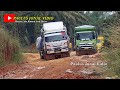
[(85, 36), (55, 38)]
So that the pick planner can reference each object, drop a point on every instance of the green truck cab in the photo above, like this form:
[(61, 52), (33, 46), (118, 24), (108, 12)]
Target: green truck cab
[(85, 39)]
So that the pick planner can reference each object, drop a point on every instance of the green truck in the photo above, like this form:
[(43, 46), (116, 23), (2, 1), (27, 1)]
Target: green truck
[(85, 40)]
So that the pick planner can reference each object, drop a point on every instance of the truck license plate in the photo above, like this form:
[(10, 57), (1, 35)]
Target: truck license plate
[(57, 49), (86, 48)]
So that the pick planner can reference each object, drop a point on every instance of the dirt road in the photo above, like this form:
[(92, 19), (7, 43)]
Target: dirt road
[(73, 67)]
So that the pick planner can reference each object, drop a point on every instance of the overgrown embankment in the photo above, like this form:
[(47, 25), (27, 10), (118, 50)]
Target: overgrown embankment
[(9, 48), (113, 51)]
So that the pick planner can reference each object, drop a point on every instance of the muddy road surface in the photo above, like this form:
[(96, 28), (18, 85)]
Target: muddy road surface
[(73, 67)]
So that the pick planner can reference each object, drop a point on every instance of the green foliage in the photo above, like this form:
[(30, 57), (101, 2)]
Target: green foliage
[(28, 32), (113, 52), (101, 19), (10, 48)]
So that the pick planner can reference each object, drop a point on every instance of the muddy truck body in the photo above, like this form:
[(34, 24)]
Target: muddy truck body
[(55, 41), (85, 39)]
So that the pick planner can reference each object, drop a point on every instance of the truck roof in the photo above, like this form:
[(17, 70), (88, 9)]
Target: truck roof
[(85, 27), (84, 32), (47, 35), (53, 26)]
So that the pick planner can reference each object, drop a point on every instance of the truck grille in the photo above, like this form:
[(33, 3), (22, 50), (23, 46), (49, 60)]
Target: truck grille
[(86, 44), (86, 47), (57, 49)]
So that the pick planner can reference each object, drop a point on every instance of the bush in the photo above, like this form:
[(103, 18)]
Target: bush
[(30, 49), (113, 52), (113, 62), (10, 48)]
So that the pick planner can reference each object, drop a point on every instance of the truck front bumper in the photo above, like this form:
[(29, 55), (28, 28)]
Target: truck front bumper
[(90, 47), (86, 49), (53, 51)]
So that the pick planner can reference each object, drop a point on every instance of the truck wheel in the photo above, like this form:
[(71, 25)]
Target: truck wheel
[(42, 57), (41, 54), (46, 57)]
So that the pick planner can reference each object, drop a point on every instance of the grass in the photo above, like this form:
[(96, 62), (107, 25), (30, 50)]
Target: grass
[(113, 52), (10, 49), (30, 49)]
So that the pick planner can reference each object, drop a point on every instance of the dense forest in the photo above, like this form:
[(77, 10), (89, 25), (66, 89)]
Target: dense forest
[(28, 32)]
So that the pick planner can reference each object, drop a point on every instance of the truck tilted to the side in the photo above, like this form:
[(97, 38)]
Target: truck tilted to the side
[(55, 41), (85, 39)]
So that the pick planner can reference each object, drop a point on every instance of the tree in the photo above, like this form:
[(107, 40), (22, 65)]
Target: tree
[(28, 32)]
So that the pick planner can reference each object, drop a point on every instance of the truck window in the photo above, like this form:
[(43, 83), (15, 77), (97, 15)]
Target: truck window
[(93, 35), (85, 36), (55, 38), (77, 36)]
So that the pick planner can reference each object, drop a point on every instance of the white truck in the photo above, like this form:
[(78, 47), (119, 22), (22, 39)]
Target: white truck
[(55, 41)]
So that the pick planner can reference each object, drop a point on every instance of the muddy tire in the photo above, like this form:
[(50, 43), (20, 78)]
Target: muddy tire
[(46, 57), (42, 57), (41, 54)]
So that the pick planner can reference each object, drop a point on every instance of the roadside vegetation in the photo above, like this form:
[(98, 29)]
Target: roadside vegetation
[(9, 49), (112, 51)]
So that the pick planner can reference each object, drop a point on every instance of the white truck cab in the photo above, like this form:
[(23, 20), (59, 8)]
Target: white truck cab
[(56, 43), (56, 40)]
